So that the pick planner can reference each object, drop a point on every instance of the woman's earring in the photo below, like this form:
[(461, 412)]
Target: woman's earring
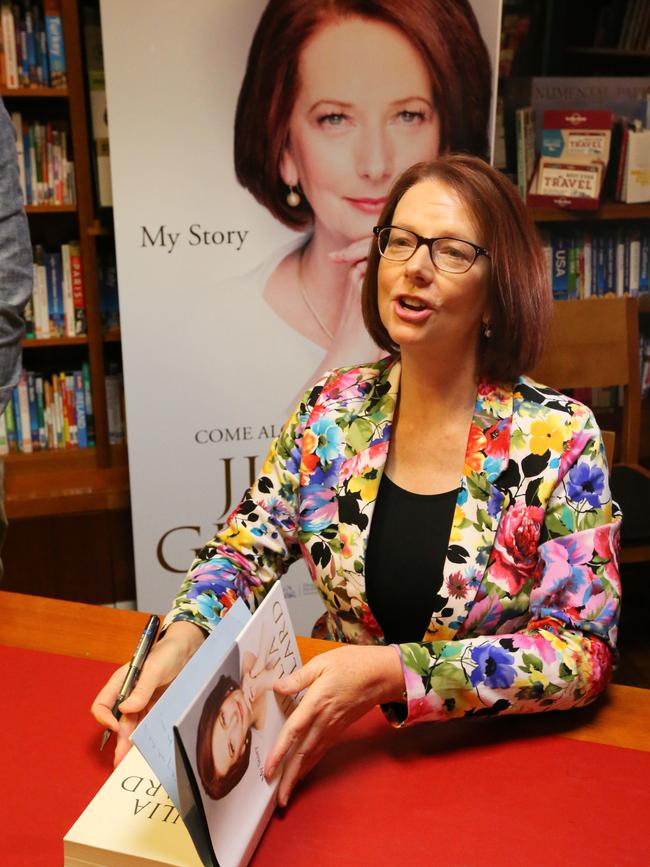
[(487, 330), (293, 197)]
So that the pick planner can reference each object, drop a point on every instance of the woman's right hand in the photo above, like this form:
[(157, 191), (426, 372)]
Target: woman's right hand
[(351, 342), (167, 657)]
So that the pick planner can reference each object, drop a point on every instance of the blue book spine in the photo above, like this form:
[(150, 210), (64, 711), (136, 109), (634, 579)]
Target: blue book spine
[(33, 411), (80, 406), (644, 277), (610, 263), (29, 195), (626, 263), (31, 47), (54, 271), (42, 46), (560, 265), (56, 54), (600, 266), (19, 428)]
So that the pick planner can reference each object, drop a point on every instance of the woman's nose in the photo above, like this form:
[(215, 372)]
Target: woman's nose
[(374, 154), (419, 267)]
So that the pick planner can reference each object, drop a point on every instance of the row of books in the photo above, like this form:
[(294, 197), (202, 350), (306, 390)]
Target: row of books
[(633, 30), (44, 165), (584, 153), (31, 45), (56, 412), (49, 413), (57, 307), (583, 263)]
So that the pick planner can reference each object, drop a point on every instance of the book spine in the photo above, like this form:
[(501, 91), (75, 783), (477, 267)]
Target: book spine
[(12, 441), (50, 421), (65, 412), (58, 311), (66, 283), (560, 275), (619, 261), (28, 316), (9, 47), (80, 405), (23, 407), (644, 263), (33, 412), (587, 254), (42, 38), (55, 51), (32, 75), (572, 268), (520, 121), (78, 291), (40, 410), (4, 443), (72, 409), (41, 315), (610, 264), (17, 121), (114, 408), (22, 62), (88, 402), (15, 401)]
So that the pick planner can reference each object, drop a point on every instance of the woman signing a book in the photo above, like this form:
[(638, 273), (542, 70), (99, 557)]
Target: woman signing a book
[(454, 514)]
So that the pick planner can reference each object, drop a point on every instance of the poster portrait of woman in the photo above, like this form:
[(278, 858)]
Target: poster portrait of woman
[(339, 97), (252, 147)]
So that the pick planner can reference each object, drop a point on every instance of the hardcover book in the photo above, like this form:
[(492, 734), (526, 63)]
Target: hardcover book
[(130, 821), (206, 741)]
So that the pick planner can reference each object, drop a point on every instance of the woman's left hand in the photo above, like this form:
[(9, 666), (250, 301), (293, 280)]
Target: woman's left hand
[(341, 686)]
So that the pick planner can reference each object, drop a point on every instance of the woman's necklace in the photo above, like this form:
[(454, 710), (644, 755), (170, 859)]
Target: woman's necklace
[(310, 306)]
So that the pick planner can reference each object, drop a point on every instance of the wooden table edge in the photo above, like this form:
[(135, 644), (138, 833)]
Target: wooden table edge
[(621, 717)]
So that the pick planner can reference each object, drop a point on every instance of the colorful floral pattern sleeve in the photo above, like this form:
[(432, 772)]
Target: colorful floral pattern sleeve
[(540, 632), (259, 542)]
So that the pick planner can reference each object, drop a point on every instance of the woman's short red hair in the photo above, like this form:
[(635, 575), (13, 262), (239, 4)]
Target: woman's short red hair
[(519, 293), (444, 32)]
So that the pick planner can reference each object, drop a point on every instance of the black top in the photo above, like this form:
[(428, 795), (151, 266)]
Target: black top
[(409, 536)]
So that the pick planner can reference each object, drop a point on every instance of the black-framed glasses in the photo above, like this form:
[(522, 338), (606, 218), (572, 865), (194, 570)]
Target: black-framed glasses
[(448, 254)]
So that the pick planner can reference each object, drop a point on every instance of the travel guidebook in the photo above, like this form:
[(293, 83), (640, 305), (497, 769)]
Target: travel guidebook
[(198, 761)]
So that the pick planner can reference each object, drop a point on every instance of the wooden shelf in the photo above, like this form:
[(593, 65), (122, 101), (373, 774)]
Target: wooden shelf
[(112, 335), (50, 209), (594, 51), (64, 491), (34, 92), (100, 230), (607, 211), (19, 463), (36, 343), (65, 481)]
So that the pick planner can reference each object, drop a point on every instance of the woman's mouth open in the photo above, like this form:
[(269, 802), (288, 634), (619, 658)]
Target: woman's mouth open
[(411, 309)]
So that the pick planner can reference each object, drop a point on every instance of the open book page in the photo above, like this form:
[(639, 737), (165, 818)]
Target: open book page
[(154, 736), (228, 730)]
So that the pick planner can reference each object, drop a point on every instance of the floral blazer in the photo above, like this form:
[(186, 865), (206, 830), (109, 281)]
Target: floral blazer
[(527, 612)]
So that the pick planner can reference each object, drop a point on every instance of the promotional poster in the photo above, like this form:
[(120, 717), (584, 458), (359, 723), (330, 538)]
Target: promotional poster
[(252, 148)]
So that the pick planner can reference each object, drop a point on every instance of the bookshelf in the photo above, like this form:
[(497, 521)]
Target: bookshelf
[(588, 39), (48, 483)]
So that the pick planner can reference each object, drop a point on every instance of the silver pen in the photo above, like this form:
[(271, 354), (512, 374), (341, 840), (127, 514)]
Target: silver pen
[(135, 667)]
